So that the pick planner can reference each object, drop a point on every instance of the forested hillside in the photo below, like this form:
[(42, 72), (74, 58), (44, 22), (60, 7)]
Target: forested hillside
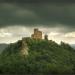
[(44, 57), (2, 47)]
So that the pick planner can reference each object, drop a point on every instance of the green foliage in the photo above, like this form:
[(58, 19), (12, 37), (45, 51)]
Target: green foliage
[(45, 57)]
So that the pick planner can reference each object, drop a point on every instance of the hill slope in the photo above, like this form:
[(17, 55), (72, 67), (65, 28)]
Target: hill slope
[(73, 46), (40, 57), (2, 47)]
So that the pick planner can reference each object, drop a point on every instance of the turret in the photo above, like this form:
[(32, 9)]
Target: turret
[(46, 37)]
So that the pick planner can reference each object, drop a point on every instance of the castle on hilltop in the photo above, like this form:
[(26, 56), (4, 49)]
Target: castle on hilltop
[(38, 35)]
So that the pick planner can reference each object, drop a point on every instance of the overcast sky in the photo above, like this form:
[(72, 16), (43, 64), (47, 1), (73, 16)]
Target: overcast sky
[(18, 18)]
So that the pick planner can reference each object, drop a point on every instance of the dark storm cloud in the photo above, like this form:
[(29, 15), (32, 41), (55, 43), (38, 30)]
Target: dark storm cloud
[(22, 1), (27, 12)]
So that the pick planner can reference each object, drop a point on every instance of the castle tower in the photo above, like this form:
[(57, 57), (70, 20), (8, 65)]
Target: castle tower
[(46, 37), (37, 34), (36, 31)]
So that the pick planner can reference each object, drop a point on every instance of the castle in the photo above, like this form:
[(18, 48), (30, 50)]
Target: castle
[(38, 35)]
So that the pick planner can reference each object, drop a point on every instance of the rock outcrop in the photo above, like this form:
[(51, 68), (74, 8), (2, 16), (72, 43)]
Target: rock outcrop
[(24, 47)]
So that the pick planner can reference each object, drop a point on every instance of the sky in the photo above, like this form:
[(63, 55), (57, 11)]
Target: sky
[(56, 18)]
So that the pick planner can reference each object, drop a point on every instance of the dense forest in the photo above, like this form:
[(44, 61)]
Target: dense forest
[(44, 57)]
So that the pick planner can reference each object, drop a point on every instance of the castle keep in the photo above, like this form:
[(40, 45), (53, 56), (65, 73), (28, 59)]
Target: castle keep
[(37, 34)]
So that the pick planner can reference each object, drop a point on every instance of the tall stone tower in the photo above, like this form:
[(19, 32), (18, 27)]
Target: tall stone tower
[(37, 34)]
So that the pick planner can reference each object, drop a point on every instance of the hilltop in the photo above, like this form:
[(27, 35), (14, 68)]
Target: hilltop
[(30, 56)]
